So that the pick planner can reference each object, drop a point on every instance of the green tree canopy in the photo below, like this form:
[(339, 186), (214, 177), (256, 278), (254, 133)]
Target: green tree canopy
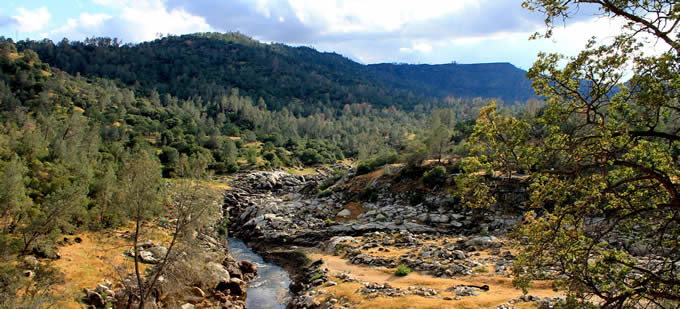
[(605, 160)]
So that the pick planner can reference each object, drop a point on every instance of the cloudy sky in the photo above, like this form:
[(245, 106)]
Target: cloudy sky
[(368, 31)]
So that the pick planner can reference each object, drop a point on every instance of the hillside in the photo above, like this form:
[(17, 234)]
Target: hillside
[(209, 64), (490, 80)]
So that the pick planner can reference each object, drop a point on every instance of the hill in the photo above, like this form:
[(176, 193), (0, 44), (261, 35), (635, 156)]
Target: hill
[(210, 64)]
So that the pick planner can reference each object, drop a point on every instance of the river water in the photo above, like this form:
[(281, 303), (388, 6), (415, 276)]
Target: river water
[(270, 288)]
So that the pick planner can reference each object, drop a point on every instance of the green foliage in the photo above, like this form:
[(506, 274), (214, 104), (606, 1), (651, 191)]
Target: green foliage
[(369, 194), (601, 159), (435, 177), (368, 166), (324, 193), (402, 270)]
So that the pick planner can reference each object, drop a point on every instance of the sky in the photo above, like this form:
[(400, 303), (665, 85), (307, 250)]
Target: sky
[(367, 31)]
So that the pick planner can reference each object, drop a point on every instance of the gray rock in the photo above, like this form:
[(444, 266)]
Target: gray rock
[(31, 262), (218, 271), (147, 257), (344, 213), (439, 218), (159, 252), (334, 242)]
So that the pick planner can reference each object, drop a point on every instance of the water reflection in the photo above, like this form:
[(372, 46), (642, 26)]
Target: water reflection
[(270, 288)]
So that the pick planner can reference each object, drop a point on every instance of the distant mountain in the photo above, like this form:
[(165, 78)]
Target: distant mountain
[(209, 65), (489, 80)]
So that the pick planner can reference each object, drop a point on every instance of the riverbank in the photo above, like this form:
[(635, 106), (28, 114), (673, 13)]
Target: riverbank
[(292, 219)]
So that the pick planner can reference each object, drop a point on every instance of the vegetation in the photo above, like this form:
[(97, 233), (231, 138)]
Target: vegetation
[(402, 270), (210, 64), (602, 160), (435, 177)]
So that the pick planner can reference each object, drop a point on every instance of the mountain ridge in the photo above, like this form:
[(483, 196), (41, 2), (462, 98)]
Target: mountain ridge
[(206, 64)]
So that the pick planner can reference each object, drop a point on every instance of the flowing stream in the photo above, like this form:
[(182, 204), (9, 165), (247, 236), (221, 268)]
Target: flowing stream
[(270, 288)]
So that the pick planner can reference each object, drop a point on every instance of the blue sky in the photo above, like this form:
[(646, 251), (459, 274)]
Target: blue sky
[(368, 31)]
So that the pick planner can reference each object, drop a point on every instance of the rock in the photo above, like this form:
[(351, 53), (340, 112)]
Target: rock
[(460, 255), (31, 262), (94, 298), (145, 244), (235, 286), (344, 213), (147, 257), (234, 271), (434, 218), (332, 244), (247, 267), (159, 252), (483, 241), (28, 273), (296, 287), (188, 306), (198, 292), (218, 271)]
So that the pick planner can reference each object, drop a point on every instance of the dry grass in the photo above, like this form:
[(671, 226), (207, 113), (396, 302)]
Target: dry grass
[(359, 183), (13, 56), (302, 171), (97, 258)]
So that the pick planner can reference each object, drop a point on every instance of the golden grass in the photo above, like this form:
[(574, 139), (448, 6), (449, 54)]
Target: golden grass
[(97, 258), (13, 56), (302, 171)]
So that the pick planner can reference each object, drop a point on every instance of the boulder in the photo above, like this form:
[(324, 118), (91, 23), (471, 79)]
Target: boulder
[(197, 292), (247, 267), (159, 252), (335, 241), (435, 218), (344, 213), (235, 286), (94, 298), (218, 271), (234, 271), (147, 257)]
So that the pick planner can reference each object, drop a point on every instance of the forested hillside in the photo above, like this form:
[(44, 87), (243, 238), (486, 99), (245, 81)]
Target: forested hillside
[(299, 78)]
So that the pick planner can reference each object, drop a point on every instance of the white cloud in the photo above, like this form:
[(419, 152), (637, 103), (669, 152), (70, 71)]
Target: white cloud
[(377, 15), (31, 20), (144, 21), (138, 21)]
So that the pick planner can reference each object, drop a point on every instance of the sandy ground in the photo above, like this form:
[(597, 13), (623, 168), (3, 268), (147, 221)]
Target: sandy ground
[(500, 292)]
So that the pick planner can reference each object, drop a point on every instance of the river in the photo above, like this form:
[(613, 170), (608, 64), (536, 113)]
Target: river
[(270, 288)]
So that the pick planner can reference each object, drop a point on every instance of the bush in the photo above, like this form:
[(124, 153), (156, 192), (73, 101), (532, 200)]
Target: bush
[(369, 194), (368, 166), (402, 270), (324, 193), (435, 177), (269, 156)]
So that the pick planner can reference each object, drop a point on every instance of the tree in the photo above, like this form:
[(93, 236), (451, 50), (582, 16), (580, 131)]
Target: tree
[(439, 141), (140, 194), (605, 160), (13, 198), (190, 208)]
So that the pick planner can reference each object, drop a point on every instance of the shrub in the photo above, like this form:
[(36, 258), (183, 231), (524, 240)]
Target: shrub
[(481, 269), (325, 193), (435, 177), (368, 166), (402, 270), (369, 194)]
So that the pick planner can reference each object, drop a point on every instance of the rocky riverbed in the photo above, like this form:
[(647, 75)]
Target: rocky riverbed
[(301, 222)]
